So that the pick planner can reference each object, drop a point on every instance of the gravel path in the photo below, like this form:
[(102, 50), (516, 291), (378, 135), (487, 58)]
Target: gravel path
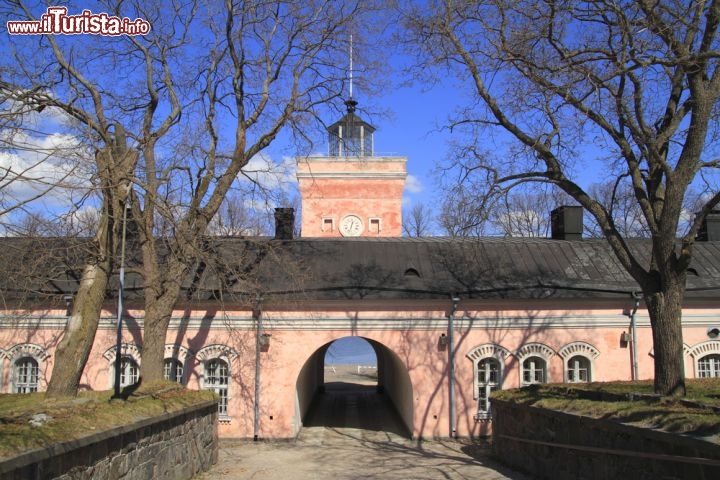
[(347, 453), (350, 433)]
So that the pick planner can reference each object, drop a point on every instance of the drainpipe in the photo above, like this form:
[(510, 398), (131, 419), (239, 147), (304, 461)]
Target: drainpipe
[(257, 315), (451, 364), (633, 334)]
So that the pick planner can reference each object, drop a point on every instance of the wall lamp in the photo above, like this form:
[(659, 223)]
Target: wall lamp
[(264, 342), (455, 302), (443, 341), (713, 332)]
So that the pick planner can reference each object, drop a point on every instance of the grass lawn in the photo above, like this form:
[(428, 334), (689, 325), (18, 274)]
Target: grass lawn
[(88, 413), (633, 403)]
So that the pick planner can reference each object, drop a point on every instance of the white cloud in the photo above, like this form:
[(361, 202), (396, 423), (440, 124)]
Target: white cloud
[(413, 185), (35, 164), (268, 174)]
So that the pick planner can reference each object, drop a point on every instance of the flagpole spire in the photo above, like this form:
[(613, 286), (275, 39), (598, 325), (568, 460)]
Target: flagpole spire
[(351, 66)]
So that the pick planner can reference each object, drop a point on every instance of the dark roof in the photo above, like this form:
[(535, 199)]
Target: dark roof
[(351, 118), (237, 269)]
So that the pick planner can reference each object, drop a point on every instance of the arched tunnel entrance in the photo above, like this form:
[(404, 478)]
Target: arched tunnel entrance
[(333, 393)]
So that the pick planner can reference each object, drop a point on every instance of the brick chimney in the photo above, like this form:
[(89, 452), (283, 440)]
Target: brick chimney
[(567, 223), (710, 228), (284, 223)]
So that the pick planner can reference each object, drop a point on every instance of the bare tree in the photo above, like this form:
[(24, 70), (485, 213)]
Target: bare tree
[(271, 66), (36, 160), (463, 213), (632, 83), (187, 106), (111, 115), (525, 214), (622, 207), (417, 221)]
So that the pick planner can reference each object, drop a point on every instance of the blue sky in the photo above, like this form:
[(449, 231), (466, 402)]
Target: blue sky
[(415, 127)]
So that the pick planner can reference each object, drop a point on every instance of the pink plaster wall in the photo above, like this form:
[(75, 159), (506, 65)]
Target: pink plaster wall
[(410, 332), (369, 187)]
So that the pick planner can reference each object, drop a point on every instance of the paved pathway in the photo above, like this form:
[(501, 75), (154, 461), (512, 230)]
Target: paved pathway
[(351, 434)]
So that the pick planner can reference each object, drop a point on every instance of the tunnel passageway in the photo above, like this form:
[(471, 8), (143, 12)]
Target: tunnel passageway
[(351, 405)]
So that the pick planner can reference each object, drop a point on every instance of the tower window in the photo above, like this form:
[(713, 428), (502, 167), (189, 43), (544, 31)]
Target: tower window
[(328, 225), (374, 225)]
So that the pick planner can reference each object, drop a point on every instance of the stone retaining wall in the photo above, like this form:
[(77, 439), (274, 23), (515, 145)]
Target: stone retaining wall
[(172, 446), (549, 444)]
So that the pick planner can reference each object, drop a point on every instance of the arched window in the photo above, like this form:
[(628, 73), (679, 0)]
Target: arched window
[(173, 370), (488, 361), (26, 374), (578, 369), (129, 372), (578, 358), (488, 380), (534, 370), (216, 379), (534, 360), (709, 366), (26, 360)]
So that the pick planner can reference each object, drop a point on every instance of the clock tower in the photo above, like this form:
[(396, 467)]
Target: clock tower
[(351, 192)]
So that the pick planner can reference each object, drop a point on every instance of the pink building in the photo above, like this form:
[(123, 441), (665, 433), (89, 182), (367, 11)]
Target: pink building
[(450, 320)]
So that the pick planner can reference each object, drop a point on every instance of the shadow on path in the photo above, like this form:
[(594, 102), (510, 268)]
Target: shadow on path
[(352, 405)]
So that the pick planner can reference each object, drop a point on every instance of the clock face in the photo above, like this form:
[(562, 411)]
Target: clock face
[(351, 226)]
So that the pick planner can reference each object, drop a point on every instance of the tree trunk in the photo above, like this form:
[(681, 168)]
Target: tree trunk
[(665, 310), (73, 350), (158, 312), (157, 320)]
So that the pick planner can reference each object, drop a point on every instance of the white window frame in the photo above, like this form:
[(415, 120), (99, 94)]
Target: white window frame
[(482, 388), (24, 380), (127, 351), (173, 370), (534, 370), (18, 353), (708, 366), (227, 355), (578, 349), (129, 369), (703, 355), (488, 380), (218, 383), (574, 370)]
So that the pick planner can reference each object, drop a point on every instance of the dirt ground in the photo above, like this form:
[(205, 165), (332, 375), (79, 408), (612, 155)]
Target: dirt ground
[(351, 433)]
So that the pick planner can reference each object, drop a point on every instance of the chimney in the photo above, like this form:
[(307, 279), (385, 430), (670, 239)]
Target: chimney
[(567, 223), (284, 223), (710, 228)]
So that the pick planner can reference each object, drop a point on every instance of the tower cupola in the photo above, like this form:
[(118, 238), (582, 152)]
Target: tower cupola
[(351, 136)]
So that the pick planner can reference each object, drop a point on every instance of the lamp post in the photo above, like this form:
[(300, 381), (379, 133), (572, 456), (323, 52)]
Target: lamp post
[(120, 307)]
